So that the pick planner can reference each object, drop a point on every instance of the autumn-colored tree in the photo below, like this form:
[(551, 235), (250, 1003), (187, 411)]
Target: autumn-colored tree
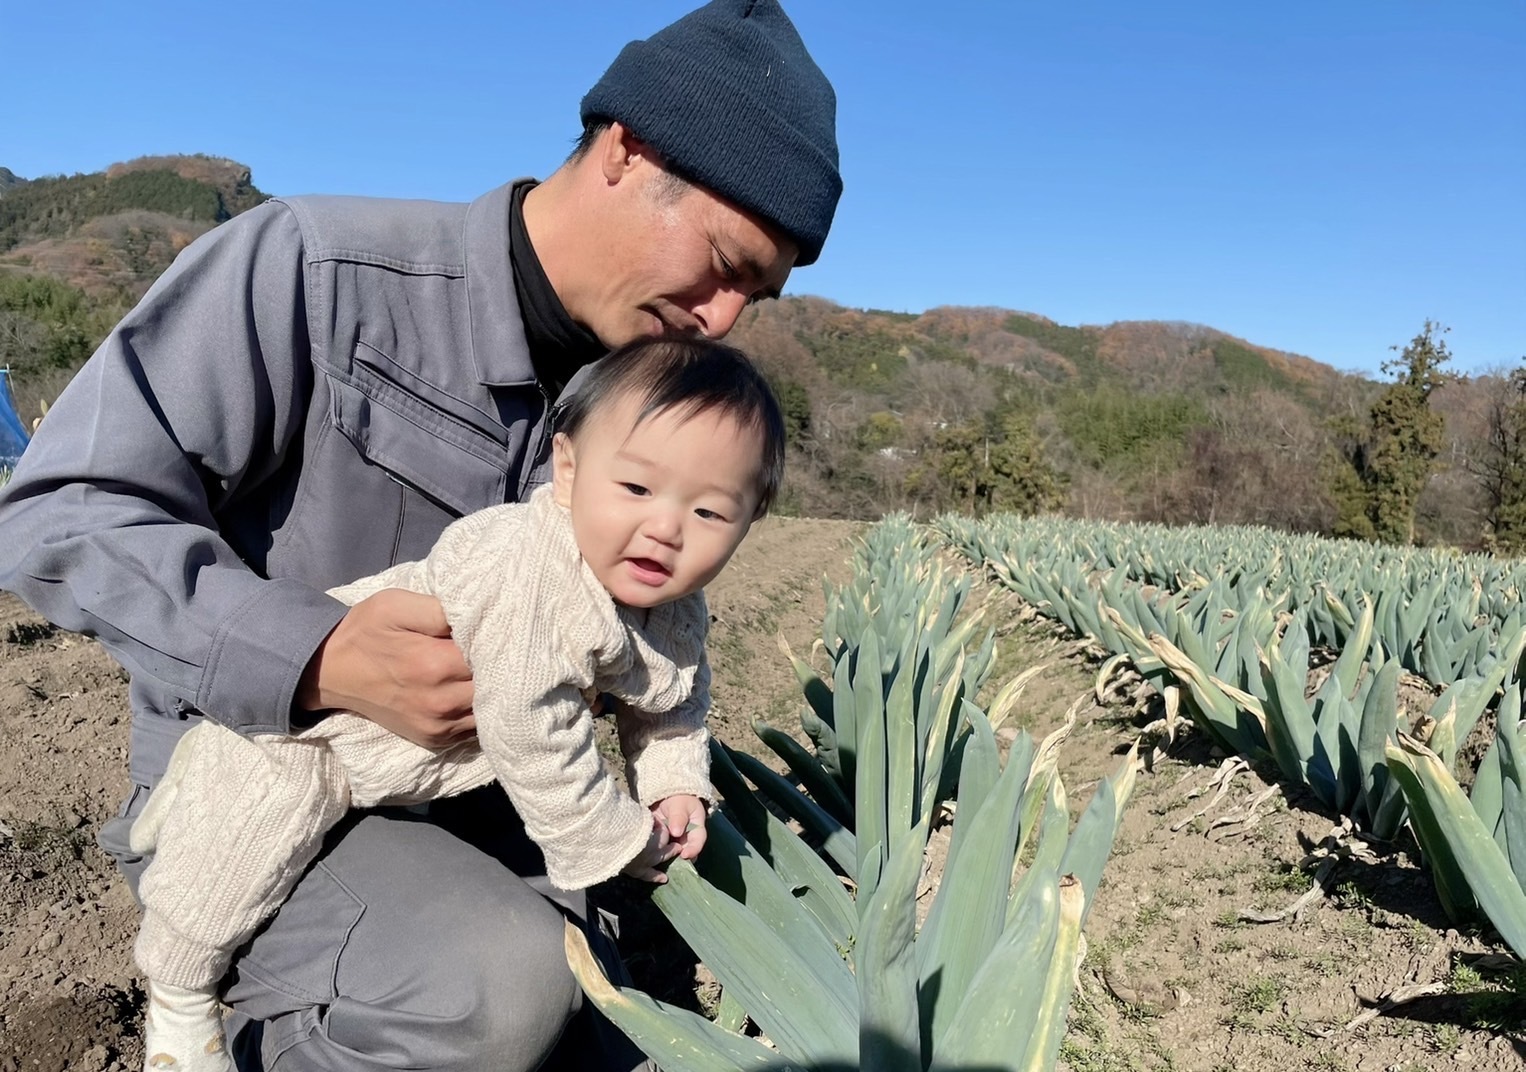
[(1500, 465)]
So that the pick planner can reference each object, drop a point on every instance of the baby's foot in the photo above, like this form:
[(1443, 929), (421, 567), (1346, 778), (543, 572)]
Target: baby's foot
[(183, 1032)]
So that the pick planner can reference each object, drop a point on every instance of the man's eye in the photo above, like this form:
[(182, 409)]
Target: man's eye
[(728, 270), (635, 489)]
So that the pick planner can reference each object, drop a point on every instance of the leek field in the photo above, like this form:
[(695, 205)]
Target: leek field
[(904, 881)]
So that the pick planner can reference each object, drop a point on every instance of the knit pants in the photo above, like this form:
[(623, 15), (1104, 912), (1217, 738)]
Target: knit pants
[(237, 820), (375, 963)]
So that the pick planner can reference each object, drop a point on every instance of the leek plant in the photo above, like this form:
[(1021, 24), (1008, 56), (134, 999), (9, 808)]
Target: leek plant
[(824, 952), (1474, 845)]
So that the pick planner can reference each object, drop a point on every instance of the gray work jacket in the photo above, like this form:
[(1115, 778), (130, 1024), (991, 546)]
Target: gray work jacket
[(311, 393)]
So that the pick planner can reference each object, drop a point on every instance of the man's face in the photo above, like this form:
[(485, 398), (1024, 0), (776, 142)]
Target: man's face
[(658, 508), (682, 261)]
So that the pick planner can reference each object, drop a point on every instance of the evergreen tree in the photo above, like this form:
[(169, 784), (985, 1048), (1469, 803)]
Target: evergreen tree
[(1388, 462), (959, 468), (1022, 480), (1406, 435), (969, 469)]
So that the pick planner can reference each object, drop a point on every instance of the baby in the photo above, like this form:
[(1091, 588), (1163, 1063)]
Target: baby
[(663, 459)]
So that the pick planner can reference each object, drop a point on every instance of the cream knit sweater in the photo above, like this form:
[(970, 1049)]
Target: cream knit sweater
[(237, 819)]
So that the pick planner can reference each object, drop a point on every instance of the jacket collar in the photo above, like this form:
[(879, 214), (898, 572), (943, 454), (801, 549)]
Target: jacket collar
[(500, 351)]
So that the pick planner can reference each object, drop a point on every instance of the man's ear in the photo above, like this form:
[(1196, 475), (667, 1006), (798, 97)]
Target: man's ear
[(563, 469), (620, 151)]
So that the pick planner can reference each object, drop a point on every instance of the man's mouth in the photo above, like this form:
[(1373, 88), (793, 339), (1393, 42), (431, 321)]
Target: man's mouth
[(661, 325)]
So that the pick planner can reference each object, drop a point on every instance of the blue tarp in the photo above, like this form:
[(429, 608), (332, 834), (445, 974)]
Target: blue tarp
[(13, 434)]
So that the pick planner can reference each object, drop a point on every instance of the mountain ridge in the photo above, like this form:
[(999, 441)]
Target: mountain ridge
[(956, 407)]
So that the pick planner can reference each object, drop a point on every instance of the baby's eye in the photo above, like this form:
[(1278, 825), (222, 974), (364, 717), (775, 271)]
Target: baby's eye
[(709, 515), (635, 489)]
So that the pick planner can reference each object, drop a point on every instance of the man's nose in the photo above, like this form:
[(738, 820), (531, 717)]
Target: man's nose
[(719, 313)]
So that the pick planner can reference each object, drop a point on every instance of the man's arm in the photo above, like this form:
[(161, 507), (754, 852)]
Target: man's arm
[(109, 525)]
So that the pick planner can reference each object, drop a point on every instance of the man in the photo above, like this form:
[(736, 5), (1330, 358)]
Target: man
[(310, 394)]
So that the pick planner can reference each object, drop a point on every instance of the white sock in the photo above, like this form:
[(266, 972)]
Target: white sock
[(183, 1031)]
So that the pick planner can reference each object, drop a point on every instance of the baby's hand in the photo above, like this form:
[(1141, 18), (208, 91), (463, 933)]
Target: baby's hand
[(683, 818), (659, 850)]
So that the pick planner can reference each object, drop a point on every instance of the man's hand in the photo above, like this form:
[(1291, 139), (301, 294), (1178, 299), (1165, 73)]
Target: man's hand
[(682, 818), (391, 659)]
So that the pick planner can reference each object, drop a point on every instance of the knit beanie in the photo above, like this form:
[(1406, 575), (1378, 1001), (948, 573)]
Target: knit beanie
[(733, 101)]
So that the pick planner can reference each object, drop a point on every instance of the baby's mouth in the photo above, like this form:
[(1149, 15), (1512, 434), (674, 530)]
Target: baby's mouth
[(649, 569)]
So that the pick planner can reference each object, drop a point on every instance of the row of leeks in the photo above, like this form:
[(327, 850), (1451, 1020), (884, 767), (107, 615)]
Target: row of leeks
[(1475, 845), (823, 952), (1239, 661), (1439, 614)]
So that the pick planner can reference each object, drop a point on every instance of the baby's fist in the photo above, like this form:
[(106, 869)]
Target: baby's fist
[(682, 817)]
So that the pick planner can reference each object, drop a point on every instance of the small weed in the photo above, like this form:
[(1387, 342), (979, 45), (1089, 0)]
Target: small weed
[(1349, 895), (1446, 1038), (1286, 879), (1418, 935), (1099, 956), (1355, 928), (1496, 1003), (1178, 897), (1464, 979), (1240, 1021), (1229, 920), (1286, 1028), (1149, 915), (1080, 1057), (42, 840), (24, 633), (1325, 965), (1259, 995), (1086, 1046)]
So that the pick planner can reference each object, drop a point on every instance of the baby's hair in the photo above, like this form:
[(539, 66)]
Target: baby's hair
[(694, 376)]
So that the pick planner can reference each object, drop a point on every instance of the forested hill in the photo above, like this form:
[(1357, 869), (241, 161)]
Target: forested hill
[(964, 408), (112, 232)]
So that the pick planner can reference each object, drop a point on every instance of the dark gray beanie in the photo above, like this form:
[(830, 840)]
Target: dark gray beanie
[(732, 100)]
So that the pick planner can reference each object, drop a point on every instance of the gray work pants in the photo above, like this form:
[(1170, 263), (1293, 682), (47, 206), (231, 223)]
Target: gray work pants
[(414, 942)]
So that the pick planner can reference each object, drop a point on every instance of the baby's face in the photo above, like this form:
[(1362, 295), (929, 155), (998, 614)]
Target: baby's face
[(658, 508)]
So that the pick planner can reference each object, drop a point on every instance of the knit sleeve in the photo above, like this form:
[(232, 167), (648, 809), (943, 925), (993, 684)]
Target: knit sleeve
[(666, 745), (520, 610), (406, 575), (669, 752)]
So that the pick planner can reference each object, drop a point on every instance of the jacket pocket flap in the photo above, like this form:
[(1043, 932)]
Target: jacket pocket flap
[(425, 449)]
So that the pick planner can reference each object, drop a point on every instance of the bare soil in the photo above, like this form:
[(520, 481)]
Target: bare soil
[(1173, 978)]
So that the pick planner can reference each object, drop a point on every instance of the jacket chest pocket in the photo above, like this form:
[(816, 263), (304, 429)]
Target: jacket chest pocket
[(383, 473), (422, 448)]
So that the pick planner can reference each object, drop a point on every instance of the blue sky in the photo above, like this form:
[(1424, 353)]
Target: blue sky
[(1319, 177)]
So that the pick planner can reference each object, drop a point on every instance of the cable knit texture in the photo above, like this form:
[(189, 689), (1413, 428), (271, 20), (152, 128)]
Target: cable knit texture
[(237, 819)]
